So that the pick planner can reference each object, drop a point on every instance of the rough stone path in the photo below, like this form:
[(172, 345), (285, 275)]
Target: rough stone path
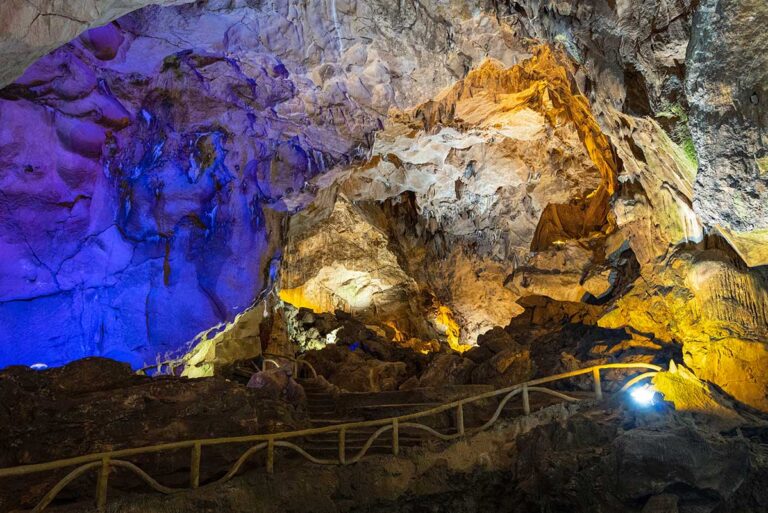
[(325, 409)]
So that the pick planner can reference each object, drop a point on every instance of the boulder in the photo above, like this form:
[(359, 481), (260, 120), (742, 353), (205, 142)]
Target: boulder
[(508, 367), (278, 384), (447, 369), (352, 370)]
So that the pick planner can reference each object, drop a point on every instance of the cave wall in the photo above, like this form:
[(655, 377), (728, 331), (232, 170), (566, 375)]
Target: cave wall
[(146, 166), (155, 171)]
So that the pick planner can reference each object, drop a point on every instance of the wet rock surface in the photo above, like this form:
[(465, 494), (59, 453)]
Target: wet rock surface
[(729, 113)]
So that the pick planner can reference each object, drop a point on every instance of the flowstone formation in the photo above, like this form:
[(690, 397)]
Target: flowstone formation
[(319, 213), (474, 196), (148, 165)]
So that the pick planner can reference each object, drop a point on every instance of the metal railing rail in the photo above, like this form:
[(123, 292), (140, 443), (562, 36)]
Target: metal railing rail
[(104, 461), (297, 363)]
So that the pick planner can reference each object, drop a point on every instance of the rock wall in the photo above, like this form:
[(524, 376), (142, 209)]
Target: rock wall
[(146, 166), (727, 84), (29, 30), (477, 197), (421, 166)]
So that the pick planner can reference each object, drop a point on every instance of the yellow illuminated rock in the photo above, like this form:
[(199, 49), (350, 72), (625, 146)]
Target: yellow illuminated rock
[(688, 393)]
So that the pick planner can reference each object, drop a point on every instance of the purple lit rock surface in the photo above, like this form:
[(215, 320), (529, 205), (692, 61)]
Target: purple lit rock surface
[(135, 185), (145, 166)]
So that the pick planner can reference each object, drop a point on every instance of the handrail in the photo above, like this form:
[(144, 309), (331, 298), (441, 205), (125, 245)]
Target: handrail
[(271, 440), (171, 364), (297, 362)]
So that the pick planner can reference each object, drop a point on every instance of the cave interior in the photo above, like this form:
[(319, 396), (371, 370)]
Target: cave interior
[(384, 255)]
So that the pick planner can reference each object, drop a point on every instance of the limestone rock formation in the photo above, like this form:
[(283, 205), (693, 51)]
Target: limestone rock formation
[(531, 174), (188, 177), (148, 164), (728, 97), (29, 30), (418, 197)]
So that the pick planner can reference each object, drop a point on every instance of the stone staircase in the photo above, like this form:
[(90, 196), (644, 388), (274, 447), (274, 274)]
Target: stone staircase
[(328, 408)]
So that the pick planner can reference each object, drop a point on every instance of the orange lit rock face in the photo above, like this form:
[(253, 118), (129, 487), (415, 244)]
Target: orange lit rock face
[(713, 305), (458, 194), (492, 97), (503, 187)]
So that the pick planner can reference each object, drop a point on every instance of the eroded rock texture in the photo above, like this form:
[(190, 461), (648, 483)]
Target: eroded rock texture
[(95, 405), (146, 165), (30, 29), (729, 94), (182, 176), (477, 197)]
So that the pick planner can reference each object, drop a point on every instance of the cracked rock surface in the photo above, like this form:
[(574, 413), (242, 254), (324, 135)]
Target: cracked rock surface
[(422, 166)]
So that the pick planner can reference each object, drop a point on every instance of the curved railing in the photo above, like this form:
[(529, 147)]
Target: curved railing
[(104, 461), (297, 363), (167, 367)]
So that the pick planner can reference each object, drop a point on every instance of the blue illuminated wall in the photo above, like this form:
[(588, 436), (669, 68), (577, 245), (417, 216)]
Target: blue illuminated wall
[(142, 180)]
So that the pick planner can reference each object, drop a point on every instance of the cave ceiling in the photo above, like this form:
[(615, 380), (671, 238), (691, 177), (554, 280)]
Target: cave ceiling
[(172, 175)]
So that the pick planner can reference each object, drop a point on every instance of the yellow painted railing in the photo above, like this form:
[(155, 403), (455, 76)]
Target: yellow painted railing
[(103, 462)]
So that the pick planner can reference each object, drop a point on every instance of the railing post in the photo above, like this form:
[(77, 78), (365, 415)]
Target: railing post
[(395, 437), (343, 446), (194, 466), (271, 456), (460, 419), (526, 400), (101, 485), (598, 386)]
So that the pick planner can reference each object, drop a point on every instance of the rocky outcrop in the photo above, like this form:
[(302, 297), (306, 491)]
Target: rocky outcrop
[(277, 384), (728, 96), (95, 405), (353, 369), (531, 175), (639, 461), (147, 164), (29, 30)]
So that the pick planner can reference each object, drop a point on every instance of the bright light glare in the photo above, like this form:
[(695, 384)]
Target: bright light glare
[(643, 395), (38, 366)]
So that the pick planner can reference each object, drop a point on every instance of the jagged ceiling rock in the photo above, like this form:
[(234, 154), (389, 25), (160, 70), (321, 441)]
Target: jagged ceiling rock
[(634, 54), (482, 196), (147, 164), (30, 29)]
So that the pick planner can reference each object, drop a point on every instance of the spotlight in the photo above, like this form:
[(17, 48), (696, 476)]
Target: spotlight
[(643, 395)]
